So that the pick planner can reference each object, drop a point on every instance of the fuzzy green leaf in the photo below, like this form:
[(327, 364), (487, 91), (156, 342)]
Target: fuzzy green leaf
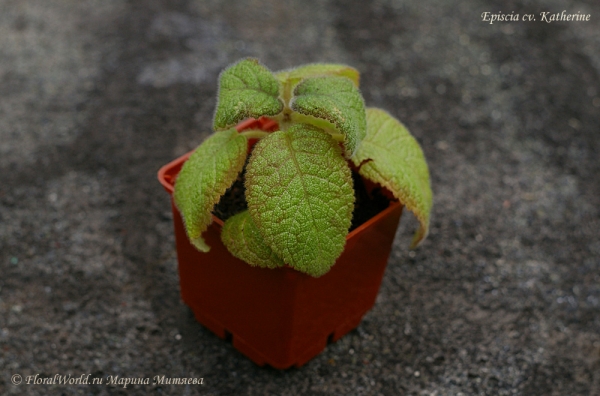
[(300, 195), (337, 101), (246, 89), (392, 157), (243, 239), (205, 177), (293, 76)]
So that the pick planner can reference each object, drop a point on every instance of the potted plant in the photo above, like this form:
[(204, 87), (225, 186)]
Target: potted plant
[(292, 153)]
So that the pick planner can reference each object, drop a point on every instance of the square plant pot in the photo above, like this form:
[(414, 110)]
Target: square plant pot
[(280, 317)]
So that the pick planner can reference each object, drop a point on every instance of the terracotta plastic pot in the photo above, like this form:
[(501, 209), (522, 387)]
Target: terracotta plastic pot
[(280, 317)]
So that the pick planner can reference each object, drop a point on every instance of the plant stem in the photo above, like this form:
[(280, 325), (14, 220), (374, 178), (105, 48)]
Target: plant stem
[(254, 134), (338, 137)]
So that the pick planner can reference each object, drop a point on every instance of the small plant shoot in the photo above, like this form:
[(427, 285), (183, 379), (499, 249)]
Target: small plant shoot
[(298, 180)]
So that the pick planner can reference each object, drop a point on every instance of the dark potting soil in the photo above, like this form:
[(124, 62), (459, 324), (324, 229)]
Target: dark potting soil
[(366, 204)]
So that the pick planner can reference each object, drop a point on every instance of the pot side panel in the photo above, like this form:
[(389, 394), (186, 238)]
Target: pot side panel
[(282, 317)]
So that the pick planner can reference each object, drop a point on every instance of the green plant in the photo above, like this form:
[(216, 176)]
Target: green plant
[(298, 179)]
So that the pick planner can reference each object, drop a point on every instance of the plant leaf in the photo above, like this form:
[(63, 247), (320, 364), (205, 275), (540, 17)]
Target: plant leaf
[(243, 239), (293, 76), (300, 195), (337, 101), (205, 177), (246, 89), (392, 157)]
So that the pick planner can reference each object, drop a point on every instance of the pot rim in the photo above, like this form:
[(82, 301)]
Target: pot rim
[(168, 173)]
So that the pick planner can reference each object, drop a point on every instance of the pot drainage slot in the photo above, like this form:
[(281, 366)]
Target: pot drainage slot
[(228, 336), (330, 338)]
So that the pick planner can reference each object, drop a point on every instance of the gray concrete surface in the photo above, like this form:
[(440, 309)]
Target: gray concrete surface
[(504, 296)]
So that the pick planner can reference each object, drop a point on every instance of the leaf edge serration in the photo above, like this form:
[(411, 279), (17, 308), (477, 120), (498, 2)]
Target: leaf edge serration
[(339, 113), (237, 77), (188, 189), (243, 240), (378, 168), (266, 176)]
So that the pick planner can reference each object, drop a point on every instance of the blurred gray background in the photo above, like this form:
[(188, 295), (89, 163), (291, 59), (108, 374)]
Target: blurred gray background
[(504, 296)]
